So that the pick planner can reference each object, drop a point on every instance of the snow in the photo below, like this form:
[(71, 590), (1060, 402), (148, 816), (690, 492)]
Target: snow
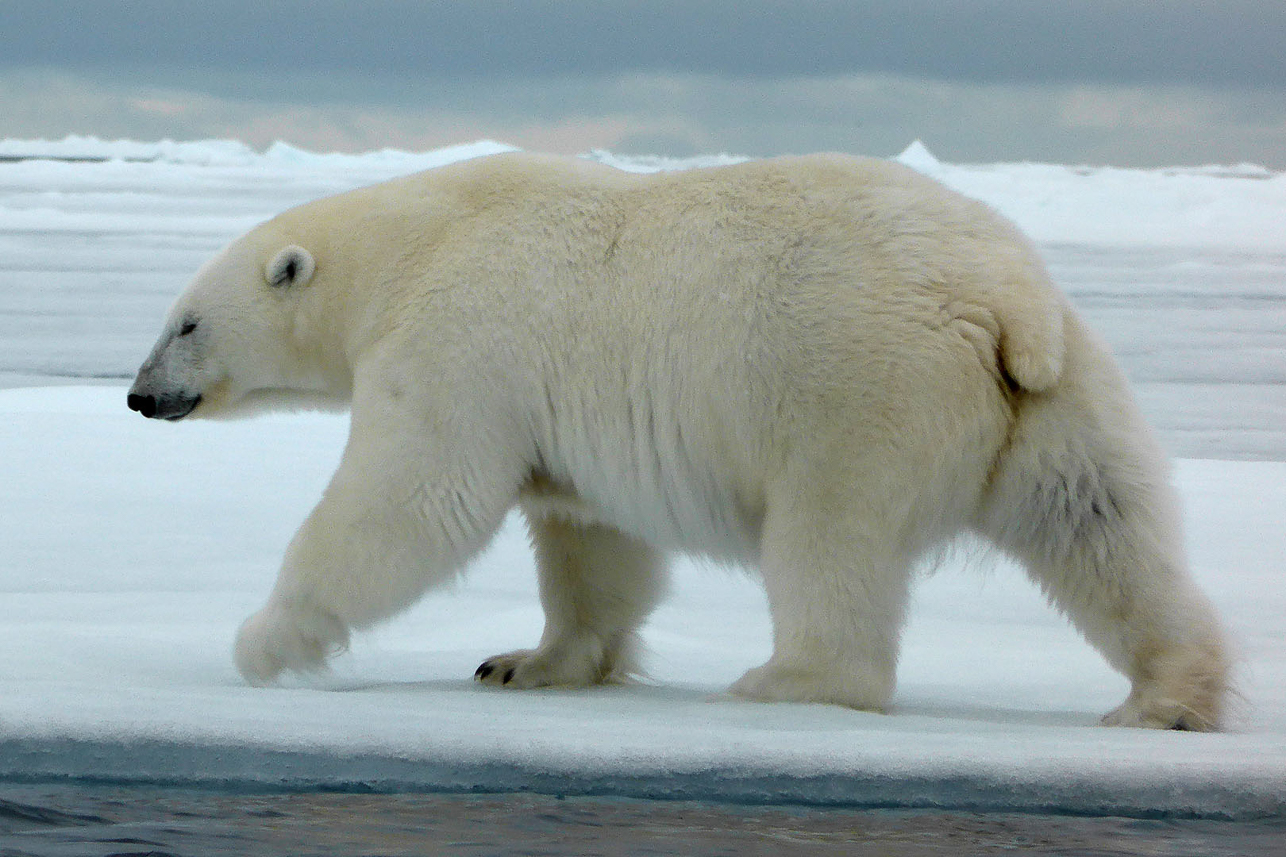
[(1228, 207), (131, 550), (918, 157)]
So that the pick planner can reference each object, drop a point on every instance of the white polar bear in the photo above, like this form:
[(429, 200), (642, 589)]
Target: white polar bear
[(823, 367)]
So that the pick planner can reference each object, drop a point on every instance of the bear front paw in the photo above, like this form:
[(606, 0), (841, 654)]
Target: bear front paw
[(284, 637), (578, 663), (503, 669)]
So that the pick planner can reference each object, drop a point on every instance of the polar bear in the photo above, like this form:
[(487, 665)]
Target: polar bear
[(823, 367)]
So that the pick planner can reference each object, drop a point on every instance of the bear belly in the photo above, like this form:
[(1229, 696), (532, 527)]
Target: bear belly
[(655, 492)]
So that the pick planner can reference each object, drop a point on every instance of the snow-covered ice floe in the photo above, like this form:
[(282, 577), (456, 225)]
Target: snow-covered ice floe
[(130, 552), (133, 550)]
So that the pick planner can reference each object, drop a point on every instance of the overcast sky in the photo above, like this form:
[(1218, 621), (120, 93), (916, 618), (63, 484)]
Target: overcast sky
[(1126, 82)]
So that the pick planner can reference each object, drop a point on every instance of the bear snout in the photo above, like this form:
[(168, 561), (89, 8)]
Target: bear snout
[(145, 405), (170, 407)]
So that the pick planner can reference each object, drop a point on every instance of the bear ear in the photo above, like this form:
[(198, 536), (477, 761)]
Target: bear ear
[(292, 266)]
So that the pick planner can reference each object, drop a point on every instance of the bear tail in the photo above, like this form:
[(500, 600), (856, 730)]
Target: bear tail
[(1032, 345)]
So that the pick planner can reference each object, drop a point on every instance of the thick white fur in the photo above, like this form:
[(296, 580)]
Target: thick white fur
[(823, 366)]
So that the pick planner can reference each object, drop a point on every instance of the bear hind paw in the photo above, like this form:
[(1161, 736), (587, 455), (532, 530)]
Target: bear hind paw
[(775, 682), (1161, 713)]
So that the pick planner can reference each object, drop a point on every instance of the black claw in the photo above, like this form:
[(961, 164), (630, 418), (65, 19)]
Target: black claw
[(509, 674), (484, 671)]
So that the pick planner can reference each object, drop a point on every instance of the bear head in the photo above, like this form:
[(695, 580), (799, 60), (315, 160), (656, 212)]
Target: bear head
[(245, 332)]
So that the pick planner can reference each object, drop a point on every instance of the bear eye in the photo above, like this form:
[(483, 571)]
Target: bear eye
[(187, 328)]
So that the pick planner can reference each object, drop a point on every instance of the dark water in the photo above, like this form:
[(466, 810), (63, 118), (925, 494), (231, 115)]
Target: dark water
[(76, 820)]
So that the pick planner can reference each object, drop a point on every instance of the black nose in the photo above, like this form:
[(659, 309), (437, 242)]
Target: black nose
[(145, 405)]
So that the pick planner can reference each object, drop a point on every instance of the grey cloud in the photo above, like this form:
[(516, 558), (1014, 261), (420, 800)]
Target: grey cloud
[(1175, 42), (1128, 82), (678, 114)]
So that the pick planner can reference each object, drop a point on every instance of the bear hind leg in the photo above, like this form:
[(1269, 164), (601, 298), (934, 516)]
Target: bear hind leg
[(837, 592), (597, 585), (1092, 518)]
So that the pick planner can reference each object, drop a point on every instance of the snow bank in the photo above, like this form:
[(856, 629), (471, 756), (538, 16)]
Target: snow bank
[(1241, 207), (233, 153), (133, 550), (659, 163)]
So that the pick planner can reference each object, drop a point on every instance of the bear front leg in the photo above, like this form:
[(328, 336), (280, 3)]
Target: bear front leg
[(404, 511), (597, 585)]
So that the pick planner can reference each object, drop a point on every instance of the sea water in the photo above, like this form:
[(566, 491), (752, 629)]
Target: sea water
[(74, 820)]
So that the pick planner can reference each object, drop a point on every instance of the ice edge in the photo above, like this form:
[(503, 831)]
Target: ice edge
[(248, 769)]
